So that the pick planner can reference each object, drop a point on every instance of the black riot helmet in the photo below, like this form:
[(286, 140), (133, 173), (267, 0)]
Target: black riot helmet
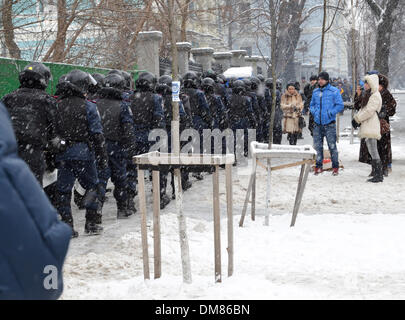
[(221, 78), (128, 80), (261, 78), (146, 82), (248, 84), (269, 83), (238, 87), (99, 78), (279, 84), (191, 80), (164, 85), (80, 79), (208, 85), (62, 78), (255, 83), (100, 83), (210, 74), (35, 75), (115, 71), (114, 80)]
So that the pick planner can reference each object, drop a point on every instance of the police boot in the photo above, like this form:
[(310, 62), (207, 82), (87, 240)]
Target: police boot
[(185, 182), (91, 227), (130, 202), (164, 200), (122, 211), (378, 176), (78, 199), (99, 214), (68, 219), (198, 176)]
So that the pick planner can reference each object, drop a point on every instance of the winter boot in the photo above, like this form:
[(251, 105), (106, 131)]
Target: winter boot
[(385, 171), (99, 214), (68, 219), (130, 202), (198, 176), (91, 227), (372, 173), (78, 199), (164, 200), (186, 184), (122, 211), (378, 177), (335, 172)]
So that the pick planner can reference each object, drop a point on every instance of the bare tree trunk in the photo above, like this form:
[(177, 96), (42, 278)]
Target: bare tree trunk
[(323, 34), (184, 19), (384, 31), (273, 32), (9, 37), (60, 40), (185, 255)]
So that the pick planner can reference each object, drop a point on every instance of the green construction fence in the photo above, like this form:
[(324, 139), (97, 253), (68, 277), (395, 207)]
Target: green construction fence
[(10, 68)]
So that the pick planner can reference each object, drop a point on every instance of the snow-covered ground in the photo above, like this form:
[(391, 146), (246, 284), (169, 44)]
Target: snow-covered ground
[(347, 242)]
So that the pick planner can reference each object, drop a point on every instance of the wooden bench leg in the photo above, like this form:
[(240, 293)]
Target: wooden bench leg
[(217, 226), (228, 170), (156, 224), (300, 190), (142, 207)]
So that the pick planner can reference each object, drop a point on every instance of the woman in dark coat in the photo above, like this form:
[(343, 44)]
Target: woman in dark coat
[(388, 110)]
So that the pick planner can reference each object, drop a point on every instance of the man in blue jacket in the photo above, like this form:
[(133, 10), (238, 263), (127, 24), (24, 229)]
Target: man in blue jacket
[(326, 103), (33, 242)]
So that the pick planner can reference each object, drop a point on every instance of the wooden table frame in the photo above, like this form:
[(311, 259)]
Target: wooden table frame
[(157, 161), (306, 155)]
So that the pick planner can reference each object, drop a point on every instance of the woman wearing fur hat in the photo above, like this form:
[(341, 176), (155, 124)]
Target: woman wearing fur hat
[(368, 120), (292, 105)]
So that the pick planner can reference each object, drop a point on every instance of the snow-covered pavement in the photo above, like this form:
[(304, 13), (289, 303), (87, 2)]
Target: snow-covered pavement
[(347, 242)]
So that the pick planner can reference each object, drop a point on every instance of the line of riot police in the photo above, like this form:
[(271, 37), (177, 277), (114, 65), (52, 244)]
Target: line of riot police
[(95, 124)]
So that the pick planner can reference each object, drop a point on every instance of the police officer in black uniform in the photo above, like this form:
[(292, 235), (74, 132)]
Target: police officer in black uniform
[(33, 114), (264, 116), (200, 111), (147, 109), (278, 114), (256, 108), (241, 115), (118, 128), (79, 126)]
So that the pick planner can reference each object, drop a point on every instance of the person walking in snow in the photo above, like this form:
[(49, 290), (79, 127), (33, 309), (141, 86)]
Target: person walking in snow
[(368, 121)]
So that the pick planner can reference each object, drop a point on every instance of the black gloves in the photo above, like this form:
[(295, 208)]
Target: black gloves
[(355, 124)]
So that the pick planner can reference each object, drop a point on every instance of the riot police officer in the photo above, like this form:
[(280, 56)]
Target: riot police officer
[(256, 108), (218, 110), (33, 114), (118, 128), (278, 115), (147, 109), (200, 111), (80, 127), (241, 115), (264, 116)]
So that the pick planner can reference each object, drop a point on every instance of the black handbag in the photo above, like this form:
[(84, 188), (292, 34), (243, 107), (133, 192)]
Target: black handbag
[(301, 122)]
